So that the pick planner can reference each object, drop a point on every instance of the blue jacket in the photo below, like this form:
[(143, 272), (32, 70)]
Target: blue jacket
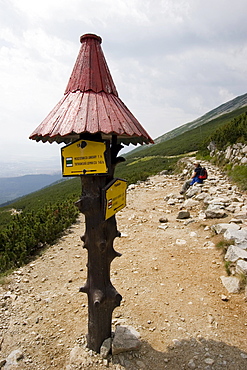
[(196, 178)]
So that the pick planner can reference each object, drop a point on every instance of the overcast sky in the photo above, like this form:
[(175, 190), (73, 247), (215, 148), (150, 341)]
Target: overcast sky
[(171, 60)]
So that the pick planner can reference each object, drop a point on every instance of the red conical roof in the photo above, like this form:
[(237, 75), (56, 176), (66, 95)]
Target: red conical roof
[(90, 103), (91, 71)]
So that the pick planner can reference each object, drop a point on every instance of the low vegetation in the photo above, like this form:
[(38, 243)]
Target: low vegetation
[(231, 133), (28, 232), (34, 202), (196, 139), (234, 131), (140, 168), (238, 175)]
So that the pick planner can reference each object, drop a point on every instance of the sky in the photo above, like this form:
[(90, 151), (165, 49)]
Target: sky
[(171, 61)]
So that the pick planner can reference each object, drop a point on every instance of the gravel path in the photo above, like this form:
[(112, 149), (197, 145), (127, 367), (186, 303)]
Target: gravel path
[(169, 278)]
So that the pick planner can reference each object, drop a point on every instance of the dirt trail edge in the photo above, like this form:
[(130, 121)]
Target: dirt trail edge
[(169, 278)]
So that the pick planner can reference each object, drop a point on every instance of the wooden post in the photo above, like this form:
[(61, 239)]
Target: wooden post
[(98, 240)]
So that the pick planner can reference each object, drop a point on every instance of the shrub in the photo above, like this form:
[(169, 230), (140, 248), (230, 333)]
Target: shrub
[(22, 239), (238, 174)]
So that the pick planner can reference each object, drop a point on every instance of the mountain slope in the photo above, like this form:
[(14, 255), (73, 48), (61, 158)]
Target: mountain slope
[(238, 102), (188, 141), (15, 187)]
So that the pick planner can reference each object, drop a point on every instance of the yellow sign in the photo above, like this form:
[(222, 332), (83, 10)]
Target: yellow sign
[(84, 157), (115, 197)]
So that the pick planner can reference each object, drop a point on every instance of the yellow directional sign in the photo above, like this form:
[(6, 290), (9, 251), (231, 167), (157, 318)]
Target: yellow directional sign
[(114, 197), (84, 157)]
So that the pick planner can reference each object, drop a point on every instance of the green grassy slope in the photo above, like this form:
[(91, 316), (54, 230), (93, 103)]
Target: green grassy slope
[(230, 106), (187, 141)]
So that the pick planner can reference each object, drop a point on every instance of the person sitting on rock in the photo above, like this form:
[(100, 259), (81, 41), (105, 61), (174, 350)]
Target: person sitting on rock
[(193, 179)]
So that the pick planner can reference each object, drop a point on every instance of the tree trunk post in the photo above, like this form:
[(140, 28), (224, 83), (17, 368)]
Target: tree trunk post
[(98, 240)]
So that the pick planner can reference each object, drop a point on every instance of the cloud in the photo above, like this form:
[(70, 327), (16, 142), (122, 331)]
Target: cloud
[(171, 61)]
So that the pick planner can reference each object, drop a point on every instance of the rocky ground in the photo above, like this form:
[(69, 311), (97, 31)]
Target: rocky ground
[(169, 275)]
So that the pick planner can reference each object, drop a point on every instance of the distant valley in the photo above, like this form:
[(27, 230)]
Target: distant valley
[(30, 165), (14, 187)]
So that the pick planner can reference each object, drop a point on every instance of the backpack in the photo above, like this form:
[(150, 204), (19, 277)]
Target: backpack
[(203, 174)]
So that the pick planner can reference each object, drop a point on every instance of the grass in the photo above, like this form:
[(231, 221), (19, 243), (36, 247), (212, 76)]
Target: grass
[(238, 175), (243, 280), (227, 265), (139, 169), (188, 141), (4, 277), (223, 245)]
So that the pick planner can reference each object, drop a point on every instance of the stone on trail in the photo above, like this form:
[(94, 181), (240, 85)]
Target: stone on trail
[(183, 214), (232, 284), (163, 220), (193, 191), (241, 267), (193, 234), (221, 228), (106, 347), (78, 358), (191, 203), (209, 245), (214, 206), (126, 338), (201, 196), (215, 213), (235, 253), (241, 215), (239, 236), (181, 242), (220, 201), (12, 359), (163, 226), (171, 201)]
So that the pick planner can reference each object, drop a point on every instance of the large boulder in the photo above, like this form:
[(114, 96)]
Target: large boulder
[(190, 203), (215, 213), (201, 196), (220, 200), (241, 267), (223, 227), (238, 236), (232, 284), (194, 190), (235, 253)]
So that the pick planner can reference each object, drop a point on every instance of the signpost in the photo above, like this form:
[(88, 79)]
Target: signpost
[(102, 196), (92, 117), (114, 197), (84, 157)]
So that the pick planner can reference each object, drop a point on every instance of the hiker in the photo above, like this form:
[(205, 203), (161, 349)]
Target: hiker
[(196, 177)]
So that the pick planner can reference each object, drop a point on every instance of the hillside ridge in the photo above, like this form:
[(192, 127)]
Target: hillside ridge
[(231, 105), (12, 188)]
